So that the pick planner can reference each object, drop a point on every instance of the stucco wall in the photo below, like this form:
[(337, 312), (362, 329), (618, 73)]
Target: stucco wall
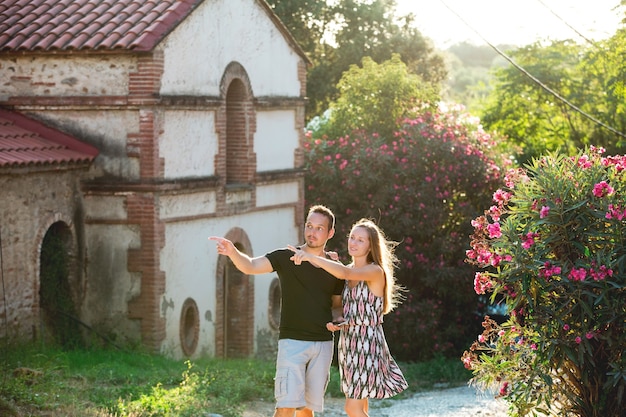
[(190, 261), (220, 32), (109, 285), (276, 140), (30, 204), (188, 143), (107, 130)]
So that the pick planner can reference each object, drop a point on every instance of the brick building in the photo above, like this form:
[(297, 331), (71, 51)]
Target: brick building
[(130, 131)]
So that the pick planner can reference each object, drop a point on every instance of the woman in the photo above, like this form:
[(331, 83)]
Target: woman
[(366, 366)]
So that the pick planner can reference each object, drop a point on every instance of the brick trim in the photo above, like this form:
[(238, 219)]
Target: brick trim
[(145, 260), (235, 126), (144, 85)]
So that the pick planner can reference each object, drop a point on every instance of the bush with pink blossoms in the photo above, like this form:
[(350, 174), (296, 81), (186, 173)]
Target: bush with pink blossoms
[(423, 186), (559, 263)]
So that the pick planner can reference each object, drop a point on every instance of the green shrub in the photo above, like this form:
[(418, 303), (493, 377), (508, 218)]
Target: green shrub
[(422, 187), (553, 247)]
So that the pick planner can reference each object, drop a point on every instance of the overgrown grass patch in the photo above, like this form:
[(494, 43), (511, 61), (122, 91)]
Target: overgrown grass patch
[(113, 383)]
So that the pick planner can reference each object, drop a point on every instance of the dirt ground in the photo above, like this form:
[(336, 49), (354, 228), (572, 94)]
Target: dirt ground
[(451, 402)]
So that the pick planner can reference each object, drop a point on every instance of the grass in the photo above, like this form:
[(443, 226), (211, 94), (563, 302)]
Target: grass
[(51, 382)]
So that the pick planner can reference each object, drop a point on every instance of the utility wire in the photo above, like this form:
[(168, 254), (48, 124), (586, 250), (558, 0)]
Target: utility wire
[(535, 79), (566, 23)]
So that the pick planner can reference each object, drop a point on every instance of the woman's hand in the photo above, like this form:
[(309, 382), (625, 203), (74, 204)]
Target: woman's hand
[(336, 324), (333, 326), (298, 255), (332, 255)]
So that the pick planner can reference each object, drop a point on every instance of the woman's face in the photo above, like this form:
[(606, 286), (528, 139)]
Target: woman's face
[(358, 242)]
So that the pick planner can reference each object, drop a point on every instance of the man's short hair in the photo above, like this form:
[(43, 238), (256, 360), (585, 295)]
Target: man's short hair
[(318, 208)]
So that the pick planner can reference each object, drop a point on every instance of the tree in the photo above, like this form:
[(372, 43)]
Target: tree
[(576, 98), (606, 91), (470, 71), (376, 98), (338, 34), (530, 116)]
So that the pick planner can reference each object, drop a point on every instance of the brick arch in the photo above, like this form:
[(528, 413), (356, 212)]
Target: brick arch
[(74, 251), (236, 125), (234, 71), (59, 285), (234, 312)]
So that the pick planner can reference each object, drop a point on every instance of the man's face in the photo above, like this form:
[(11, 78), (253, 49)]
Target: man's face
[(316, 230)]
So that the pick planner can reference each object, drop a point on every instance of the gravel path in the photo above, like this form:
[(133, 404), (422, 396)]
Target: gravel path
[(452, 402)]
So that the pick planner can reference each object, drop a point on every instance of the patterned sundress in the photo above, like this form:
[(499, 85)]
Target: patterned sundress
[(366, 366)]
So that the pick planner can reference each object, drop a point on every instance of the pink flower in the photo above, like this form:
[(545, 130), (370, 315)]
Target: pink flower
[(494, 230), (602, 189), (543, 213), (501, 197), (495, 213), (577, 274), (482, 283), (615, 212), (481, 338), (549, 271), (529, 240), (578, 340), (589, 335), (601, 273), (566, 327), (583, 162), (504, 389), (501, 333), (467, 362)]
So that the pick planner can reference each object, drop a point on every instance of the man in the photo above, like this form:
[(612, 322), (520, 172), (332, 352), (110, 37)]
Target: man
[(310, 298)]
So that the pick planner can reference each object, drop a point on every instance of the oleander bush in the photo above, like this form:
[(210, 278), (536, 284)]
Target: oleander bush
[(553, 246), (423, 186)]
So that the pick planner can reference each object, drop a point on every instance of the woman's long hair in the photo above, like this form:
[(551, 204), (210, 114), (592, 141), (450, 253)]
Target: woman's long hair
[(382, 254)]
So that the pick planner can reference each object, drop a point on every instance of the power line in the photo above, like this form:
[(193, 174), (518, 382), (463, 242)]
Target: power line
[(535, 79), (566, 23)]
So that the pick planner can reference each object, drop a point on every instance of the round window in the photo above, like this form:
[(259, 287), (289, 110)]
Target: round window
[(189, 327)]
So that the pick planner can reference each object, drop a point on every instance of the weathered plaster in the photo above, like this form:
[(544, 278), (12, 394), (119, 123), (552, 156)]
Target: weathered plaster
[(275, 140), (188, 143), (223, 30)]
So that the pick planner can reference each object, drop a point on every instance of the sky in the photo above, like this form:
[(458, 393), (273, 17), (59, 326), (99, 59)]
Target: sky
[(517, 22)]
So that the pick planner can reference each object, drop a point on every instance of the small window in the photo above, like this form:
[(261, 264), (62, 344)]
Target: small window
[(189, 327)]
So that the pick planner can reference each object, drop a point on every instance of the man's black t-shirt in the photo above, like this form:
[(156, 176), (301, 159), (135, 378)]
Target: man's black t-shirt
[(306, 298)]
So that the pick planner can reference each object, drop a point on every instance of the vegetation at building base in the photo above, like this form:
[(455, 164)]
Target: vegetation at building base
[(553, 247), (38, 381), (57, 306)]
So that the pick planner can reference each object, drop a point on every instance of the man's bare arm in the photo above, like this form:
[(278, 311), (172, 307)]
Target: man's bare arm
[(244, 263)]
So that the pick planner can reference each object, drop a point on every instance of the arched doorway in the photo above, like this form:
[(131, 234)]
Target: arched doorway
[(59, 322), (235, 304)]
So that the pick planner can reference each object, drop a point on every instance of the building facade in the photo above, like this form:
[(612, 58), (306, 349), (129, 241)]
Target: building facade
[(196, 109)]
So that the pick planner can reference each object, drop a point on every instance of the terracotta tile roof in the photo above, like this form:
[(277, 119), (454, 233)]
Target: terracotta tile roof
[(78, 25), (25, 141)]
